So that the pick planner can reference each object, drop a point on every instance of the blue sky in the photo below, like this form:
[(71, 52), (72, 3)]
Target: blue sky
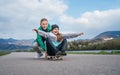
[(77, 7), (19, 17)]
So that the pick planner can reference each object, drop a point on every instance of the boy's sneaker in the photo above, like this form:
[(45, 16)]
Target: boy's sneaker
[(38, 55)]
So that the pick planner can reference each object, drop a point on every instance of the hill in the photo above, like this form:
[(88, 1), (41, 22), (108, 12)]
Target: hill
[(108, 35), (13, 44)]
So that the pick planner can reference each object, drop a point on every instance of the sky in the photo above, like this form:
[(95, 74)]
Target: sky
[(19, 17)]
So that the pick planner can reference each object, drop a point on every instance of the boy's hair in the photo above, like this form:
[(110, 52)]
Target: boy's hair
[(43, 19), (54, 26)]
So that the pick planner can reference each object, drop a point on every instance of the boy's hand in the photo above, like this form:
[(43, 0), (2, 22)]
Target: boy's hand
[(80, 34), (35, 30)]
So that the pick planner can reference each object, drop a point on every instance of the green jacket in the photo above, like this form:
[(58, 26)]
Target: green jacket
[(39, 38)]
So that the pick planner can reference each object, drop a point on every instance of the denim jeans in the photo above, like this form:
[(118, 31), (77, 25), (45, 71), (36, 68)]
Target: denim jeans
[(52, 50), (36, 47)]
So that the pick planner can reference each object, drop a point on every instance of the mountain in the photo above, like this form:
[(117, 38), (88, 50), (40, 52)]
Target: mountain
[(108, 35), (13, 44)]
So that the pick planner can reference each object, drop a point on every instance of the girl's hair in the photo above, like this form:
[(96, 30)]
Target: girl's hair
[(43, 19), (59, 37)]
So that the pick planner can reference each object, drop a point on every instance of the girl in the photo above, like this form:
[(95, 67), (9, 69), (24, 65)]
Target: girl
[(55, 42), (39, 42)]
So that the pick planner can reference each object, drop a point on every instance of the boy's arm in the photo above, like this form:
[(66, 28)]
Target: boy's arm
[(42, 33), (68, 36)]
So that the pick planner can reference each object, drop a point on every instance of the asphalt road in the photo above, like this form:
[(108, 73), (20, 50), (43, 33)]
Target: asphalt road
[(23, 63)]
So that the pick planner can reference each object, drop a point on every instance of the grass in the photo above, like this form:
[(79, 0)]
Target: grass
[(101, 52), (114, 52), (4, 53)]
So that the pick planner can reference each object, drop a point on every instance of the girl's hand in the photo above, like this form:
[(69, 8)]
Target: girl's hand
[(46, 54), (80, 34), (35, 30)]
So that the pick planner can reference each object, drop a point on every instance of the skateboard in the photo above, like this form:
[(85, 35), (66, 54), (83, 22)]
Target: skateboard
[(56, 57)]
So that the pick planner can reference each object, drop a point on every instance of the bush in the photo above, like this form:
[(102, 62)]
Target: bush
[(4, 53), (95, 45)]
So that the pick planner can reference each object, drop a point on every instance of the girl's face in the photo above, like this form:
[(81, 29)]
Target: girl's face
[(55, 31), (44, 24)]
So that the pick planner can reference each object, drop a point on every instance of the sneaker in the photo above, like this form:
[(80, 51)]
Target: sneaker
[(38, 55), (58, 53), (63, 53)]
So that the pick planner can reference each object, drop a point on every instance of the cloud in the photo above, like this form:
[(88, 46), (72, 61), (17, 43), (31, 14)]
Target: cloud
[(20, 16), (94, 19), (30, 8), (93, 22)]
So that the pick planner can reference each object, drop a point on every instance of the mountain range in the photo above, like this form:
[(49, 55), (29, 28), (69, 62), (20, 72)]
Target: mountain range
[(14, 44), (108, 35)]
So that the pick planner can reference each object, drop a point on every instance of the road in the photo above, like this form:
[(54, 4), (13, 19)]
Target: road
[(23, 63)]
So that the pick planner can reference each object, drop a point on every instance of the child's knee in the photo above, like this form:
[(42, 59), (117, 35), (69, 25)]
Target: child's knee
[(35, 45)]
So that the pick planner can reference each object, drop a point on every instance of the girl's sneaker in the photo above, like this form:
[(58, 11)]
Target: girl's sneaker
[(64, 54), (58, 53)]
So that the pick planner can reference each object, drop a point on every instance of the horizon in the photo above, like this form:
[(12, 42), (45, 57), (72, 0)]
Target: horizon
[(19, 17), (68, 39)]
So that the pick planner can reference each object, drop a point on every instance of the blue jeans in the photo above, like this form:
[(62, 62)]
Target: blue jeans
[(36, 47), (52, 50)]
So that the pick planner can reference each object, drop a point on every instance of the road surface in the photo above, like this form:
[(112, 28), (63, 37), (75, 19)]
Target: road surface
[(23, 63)]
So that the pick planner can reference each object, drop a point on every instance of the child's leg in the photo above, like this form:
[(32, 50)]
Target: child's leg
[(51, 49), (36, 47), (62, 46)]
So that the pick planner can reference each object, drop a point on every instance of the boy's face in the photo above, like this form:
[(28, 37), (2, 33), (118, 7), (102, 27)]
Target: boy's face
[(55, 31), (44, 25)]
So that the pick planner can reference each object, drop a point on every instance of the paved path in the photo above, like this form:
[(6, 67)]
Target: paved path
[(23, 63)]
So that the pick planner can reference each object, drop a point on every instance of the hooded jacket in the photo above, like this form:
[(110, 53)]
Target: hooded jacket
[(40, 39)]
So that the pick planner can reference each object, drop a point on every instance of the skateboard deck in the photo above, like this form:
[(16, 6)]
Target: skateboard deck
[(57, 57)]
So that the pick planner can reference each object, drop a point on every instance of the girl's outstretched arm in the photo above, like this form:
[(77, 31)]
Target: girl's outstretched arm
[(68, 36), (42, 33)]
